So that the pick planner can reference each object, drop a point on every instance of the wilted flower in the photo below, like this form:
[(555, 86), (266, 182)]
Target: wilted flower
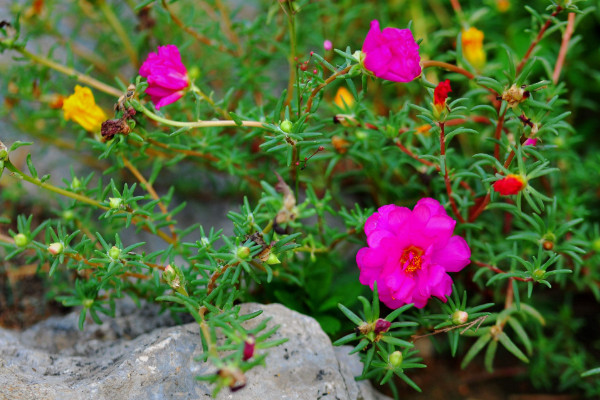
[(472, 44), (391, 54), (382, 326), (343, 98), (82, 108), (411, 252), (512, 184), (167, 76), (327, 45)]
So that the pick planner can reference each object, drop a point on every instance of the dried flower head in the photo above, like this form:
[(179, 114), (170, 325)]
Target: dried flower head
[(411, 252), (391, 54)]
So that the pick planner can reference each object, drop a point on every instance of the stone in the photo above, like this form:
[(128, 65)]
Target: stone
[(136, 355)]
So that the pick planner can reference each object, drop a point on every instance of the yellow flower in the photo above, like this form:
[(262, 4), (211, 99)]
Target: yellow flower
[(342, 96), (472, 44), (81, 108)]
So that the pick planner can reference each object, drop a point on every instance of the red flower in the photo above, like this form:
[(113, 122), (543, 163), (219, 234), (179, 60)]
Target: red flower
[(512, 184), (440, 93)]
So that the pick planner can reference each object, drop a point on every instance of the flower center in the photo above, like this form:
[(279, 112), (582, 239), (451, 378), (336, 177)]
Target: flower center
[(411, 259)]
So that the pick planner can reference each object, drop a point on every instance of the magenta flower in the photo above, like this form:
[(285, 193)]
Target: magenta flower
[(167, 76), (411, 252), (530, 142), (391, 54), (327, 45)]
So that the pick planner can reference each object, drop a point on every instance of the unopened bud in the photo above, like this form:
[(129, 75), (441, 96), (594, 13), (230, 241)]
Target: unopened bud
[(68, 215), (115, 202), (596, 245), (273, 259), (548, 245), (3, 152), (249, 345), (55, 248), (460, 317), (286, 126), (396, 359), (114, 253), (87, 303), (382, 326), (75, 183), (538, 274), (21, 240), (243, 252)]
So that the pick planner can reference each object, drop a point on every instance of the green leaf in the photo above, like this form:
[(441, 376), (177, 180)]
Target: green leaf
[(476, 348), (510, 346), (351, 316)]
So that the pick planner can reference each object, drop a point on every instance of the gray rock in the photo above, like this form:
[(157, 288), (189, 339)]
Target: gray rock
[(133, 356)]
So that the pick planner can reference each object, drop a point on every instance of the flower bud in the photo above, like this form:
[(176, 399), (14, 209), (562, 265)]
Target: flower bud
[(75, 183), (114, 253), (286, 126), (115, 202), (243, 252), (273, 259), (538, 274), (548, 245), (21, 240), (327, 45), (396, 359), (382, 326), (87, 303), (596, 245), (249, 345), (3, 152), (68, 215), (459, 317), (55, 248)]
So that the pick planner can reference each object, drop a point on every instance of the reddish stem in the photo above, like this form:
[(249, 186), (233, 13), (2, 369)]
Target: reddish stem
[(563, 47), (498, 134), (446, 177), (538, 38)]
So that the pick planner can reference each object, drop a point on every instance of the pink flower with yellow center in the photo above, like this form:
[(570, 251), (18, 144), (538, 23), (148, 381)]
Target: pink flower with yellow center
[(391, 54), (410, 253), (167, 76)]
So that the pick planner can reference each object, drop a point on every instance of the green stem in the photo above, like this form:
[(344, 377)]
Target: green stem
[(210, 101), (197, 124), (83, 78), (292, 59), (84, 199), (114, 22)]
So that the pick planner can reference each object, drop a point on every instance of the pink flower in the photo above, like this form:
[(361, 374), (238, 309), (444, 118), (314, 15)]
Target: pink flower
[(530, 142), (167, 76), (327, 45), (391, 54), (411, 252)]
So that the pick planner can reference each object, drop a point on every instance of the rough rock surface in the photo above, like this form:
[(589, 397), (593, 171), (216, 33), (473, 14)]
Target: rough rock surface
[(134, 356)]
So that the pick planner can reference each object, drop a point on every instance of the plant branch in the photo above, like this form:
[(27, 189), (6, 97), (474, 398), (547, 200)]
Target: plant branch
[(538, 38), (449, 67), (564, 46), (316, 90), (446, 177)]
